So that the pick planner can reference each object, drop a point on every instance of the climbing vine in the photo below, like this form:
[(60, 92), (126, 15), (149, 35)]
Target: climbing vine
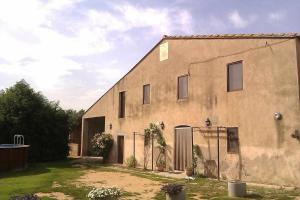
[(155, 132)]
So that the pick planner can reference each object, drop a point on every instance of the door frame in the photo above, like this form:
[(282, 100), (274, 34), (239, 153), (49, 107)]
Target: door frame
[(174, 139)]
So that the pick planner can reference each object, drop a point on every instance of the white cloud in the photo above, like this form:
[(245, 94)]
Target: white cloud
[(38, 41), (237, 20), (185, 20), (276, 16), (28, 35)]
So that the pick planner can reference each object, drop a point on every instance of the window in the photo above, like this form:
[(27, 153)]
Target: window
[(235, 76), (182, 87), (232, 140), (146, 94), (122, 104)]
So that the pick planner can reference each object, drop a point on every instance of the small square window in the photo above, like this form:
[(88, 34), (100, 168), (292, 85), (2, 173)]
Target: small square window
[(182, 87), (146, 94), (235, 76), (232, 140)]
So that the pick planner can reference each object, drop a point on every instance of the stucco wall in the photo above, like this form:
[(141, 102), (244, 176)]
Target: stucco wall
[(268, 154)]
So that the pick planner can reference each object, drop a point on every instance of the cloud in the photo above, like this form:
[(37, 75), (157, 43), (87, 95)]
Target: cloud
[(36, 50), (127, 17), (40, 39), (238, 21), (276, 16)]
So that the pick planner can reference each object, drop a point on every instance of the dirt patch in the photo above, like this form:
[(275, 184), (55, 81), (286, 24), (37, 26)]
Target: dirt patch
[(141, 187), (56, 195), (56, 185)]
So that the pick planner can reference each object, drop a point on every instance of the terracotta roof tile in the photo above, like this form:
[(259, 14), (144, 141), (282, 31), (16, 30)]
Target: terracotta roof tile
[(233, 36)]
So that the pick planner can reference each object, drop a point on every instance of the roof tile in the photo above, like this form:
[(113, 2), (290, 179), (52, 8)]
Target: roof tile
[(233, 36)]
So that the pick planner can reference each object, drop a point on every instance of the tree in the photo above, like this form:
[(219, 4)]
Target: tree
[(44, 124)]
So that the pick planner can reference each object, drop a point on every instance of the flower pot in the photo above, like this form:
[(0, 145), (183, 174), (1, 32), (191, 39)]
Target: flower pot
[(160, 168), (179, 196), (236, 189), (189, 172)]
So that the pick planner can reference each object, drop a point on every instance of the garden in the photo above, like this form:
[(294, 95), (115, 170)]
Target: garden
[(74, 179)]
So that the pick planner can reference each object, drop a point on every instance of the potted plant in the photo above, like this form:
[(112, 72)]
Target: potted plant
[(173, 191), (161, 164), (189, 171)]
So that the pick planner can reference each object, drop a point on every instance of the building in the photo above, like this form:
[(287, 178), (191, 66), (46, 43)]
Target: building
[(246, 83)]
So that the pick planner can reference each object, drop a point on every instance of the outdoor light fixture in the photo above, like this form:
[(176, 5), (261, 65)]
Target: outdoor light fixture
[(278, 116), (207, 122), (162, 125), (110, 126)]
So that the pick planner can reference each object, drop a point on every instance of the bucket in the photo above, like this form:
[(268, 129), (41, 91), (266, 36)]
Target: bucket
[(236, 189)]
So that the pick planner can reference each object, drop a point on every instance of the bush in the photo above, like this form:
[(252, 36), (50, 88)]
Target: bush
[(43, 123), (104, 193), (25, 197), (102, 144), (172, 188), (131, 162)]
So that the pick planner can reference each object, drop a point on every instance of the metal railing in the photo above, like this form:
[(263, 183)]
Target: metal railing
[(18, 140)]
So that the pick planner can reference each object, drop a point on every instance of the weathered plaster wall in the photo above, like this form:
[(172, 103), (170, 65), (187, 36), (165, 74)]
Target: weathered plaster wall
[(268, 154)]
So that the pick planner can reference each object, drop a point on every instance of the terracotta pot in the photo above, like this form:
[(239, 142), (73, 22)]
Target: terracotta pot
[(179, 196), (189, 172), (160, 168)]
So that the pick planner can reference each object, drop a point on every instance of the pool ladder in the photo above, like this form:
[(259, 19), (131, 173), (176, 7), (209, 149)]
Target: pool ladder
[(18, 140)]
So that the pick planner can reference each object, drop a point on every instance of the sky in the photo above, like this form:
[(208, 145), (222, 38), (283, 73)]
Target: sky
[(73, 51)]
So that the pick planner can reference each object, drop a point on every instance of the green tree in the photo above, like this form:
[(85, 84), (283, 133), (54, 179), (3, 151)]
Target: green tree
[(44, 124)]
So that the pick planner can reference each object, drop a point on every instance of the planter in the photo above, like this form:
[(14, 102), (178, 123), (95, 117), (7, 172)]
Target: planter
[(189, 172), (236, 189), (179, 196), (160, 168)]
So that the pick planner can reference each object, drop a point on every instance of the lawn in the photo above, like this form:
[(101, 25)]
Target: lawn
[(75, 180)]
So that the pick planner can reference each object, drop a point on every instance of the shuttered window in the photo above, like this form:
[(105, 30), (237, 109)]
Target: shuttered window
[(232, 140), (235, 76), (122, 104), (182, 87), (146, 94)]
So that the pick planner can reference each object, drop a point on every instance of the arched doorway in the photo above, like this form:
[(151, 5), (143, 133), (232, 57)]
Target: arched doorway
[(183, 148)]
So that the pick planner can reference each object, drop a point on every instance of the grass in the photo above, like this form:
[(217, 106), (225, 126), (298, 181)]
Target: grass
[(40, 178)]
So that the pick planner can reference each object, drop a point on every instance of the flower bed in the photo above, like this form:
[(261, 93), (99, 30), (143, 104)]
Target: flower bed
[(104, 193)]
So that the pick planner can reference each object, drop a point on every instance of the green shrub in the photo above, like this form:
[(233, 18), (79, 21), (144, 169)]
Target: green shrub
[(102, 144), (131, 162)]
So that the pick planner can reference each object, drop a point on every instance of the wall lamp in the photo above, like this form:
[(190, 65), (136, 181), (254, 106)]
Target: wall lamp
[(277, 116), (207, 122), (110, 126)]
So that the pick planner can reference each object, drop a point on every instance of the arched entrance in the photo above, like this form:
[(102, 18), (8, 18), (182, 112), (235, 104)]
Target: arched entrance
[(183, 148)]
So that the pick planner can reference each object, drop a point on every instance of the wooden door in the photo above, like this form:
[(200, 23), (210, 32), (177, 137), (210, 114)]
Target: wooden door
[(120, 141), (183, 148)]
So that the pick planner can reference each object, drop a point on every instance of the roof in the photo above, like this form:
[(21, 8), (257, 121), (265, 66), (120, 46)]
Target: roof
[(212, 36), (234, 36)]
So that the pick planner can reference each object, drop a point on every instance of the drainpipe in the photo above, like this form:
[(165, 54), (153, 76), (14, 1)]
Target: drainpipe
[(218, 134), (134, 149), (152, 152)]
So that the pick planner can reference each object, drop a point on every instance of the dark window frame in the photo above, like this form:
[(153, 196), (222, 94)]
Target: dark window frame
[(122, 104), (228, 65), (233, 139), (144, 94), (187, 87)]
